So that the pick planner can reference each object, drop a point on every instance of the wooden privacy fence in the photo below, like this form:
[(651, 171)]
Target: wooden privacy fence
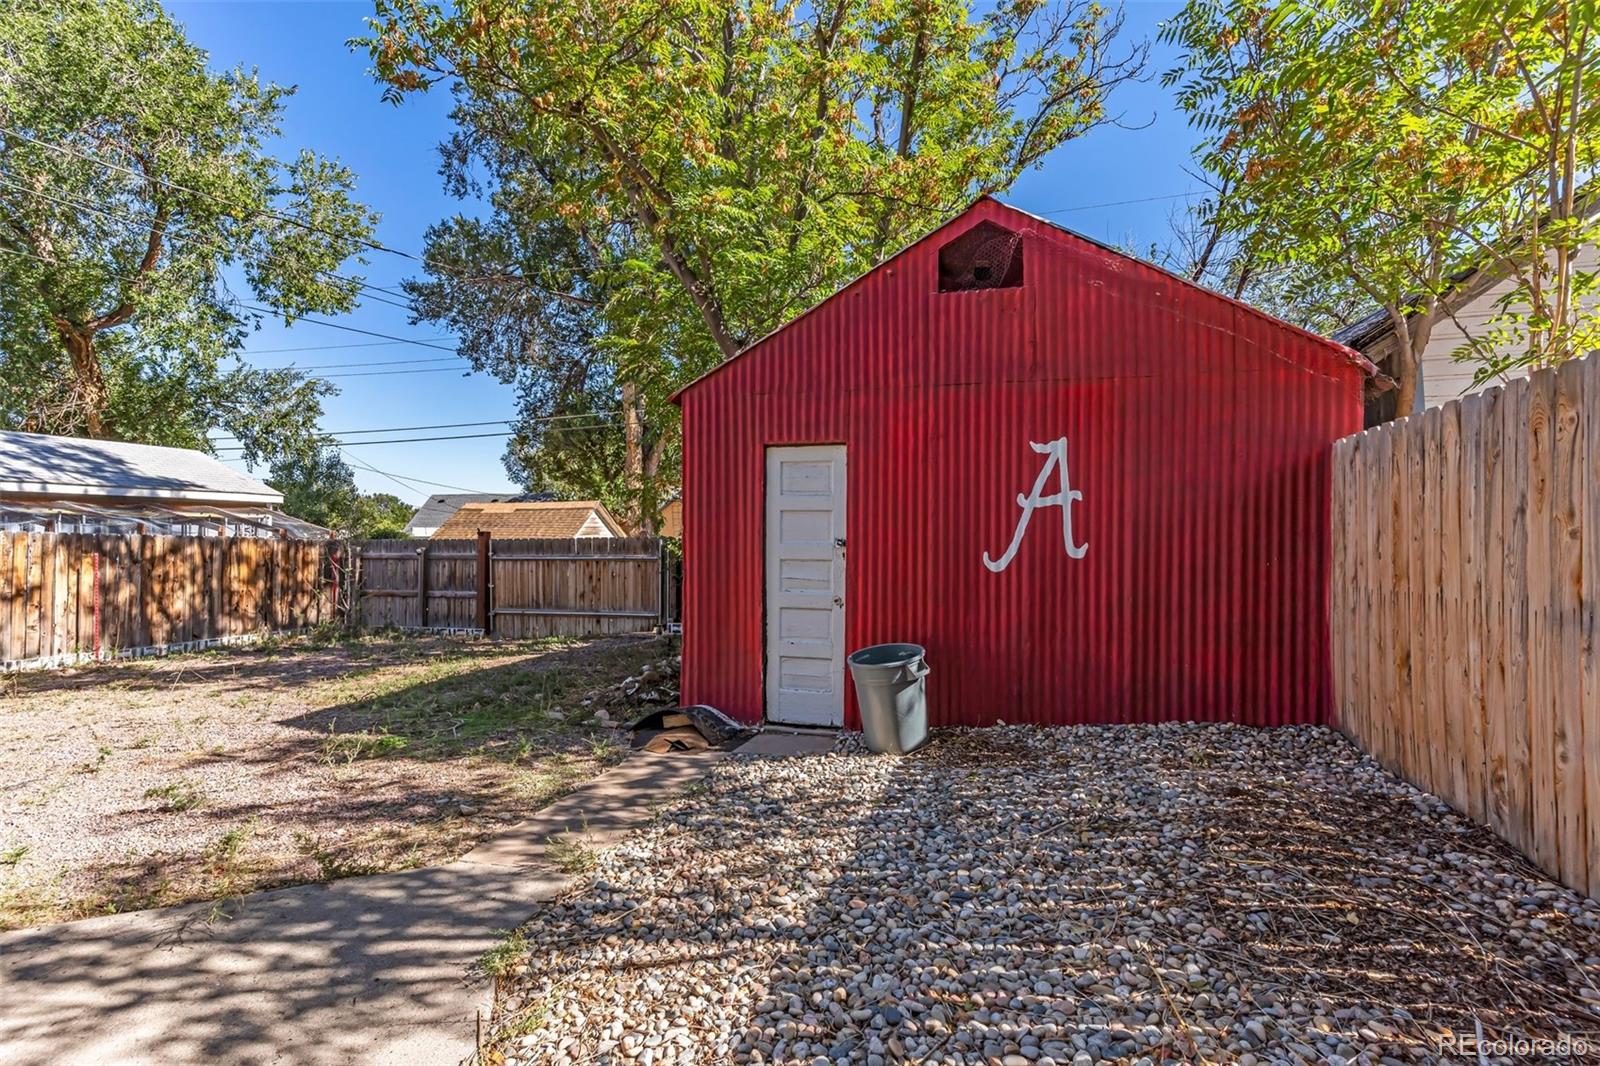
[(512, 588), (68, 598), (1465, 579)]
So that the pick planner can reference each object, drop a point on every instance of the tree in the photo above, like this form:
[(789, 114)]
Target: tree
[(1201, 248), (1390, 148), (681, 176), (321, 488), (519, 295), (132, 178)]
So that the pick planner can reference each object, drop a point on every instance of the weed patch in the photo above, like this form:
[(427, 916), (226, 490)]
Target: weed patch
[(346, 748), (571, 856), (177, 796), (498, 960)]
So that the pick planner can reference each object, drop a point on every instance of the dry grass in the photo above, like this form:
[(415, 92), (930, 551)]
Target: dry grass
[(200, 777)]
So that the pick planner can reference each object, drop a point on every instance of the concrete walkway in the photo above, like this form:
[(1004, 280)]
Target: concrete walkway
[(367, 970)]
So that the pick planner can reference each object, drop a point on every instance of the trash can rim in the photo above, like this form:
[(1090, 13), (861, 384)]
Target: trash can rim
[(861, 656)]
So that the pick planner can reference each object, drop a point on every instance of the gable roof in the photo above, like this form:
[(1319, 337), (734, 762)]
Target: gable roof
[(439, 507), (38, 464), (1001, 208), (548, 518)]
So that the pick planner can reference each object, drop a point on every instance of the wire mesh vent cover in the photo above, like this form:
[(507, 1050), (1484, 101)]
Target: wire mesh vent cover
[(987, 256)]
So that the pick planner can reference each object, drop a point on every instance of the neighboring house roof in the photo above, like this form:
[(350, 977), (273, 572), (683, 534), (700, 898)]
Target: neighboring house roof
[(36, 464), (1361, 333), (1464, 287), (550, 518), (438, 508), (671, 524), (1467, 312)]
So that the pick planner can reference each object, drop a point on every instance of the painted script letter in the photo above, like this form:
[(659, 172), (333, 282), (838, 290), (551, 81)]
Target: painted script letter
[(1056, 460)]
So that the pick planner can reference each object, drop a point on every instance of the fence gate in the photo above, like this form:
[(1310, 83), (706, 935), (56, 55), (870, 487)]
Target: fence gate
[(513, 588)]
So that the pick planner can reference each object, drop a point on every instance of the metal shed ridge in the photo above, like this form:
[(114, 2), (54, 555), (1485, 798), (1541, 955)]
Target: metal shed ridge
[(1052, 230)]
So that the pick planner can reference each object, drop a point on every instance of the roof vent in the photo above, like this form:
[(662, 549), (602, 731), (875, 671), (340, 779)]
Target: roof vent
[(987, 256)]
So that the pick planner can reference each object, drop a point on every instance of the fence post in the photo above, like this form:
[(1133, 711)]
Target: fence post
[(485, 616), (422, 586)]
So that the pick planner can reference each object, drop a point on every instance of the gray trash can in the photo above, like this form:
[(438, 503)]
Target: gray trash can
[(890, 689)]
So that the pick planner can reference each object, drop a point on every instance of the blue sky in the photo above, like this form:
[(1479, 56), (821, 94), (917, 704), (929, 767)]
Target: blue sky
[(1137, 172)]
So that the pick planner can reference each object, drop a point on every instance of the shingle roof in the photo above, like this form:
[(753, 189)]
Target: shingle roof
[(563, 518), (439, 507), (38, 464)]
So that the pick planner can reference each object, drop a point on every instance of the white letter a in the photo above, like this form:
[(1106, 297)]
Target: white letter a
[(1056, 450)]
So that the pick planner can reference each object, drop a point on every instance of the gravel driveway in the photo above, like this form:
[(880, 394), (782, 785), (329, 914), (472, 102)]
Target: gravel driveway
[(1101, 894)]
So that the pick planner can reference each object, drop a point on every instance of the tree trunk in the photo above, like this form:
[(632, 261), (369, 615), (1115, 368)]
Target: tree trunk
[(633, 454), (1405, 365), (1410, 344), (88, 378), (650, 499)]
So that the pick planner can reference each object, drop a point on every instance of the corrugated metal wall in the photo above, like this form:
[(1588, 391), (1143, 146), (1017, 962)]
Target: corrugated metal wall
[(1198, 433)]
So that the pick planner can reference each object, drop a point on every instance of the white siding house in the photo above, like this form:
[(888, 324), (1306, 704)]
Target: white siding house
[(1471, 307)]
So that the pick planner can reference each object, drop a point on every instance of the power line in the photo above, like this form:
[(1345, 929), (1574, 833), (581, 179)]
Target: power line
[(378, 246), (538, 419), (143, 221), (401, 481), (373, 362), (268, 311), (463, 371), (334, 347), (348, 329), (599, 423), (1121, 203), (263, 212)]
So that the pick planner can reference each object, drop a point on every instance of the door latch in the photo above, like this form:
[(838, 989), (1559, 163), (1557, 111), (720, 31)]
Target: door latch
[(838, 601), (838, 542)]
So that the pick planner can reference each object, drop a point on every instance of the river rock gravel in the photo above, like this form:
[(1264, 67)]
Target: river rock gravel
[(1127, 894)]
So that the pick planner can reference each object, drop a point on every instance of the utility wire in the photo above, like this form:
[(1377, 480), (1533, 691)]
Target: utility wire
[(335, 347), (540, 419), (463, 371), (268, 311), (402, 481), (144, 221), (374, 362), (1120, 203), (378, 246), (598, 422)]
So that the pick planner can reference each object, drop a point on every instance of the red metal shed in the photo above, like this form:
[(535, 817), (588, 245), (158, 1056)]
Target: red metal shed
[(1094, 491)]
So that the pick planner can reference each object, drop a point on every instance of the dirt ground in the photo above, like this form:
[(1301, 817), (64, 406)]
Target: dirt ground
[(197, 777)]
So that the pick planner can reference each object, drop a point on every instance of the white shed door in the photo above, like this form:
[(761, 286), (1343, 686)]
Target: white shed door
[(805, 585)]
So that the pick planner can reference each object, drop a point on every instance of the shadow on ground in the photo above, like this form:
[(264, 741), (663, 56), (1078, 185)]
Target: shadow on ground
[(366, 970), (1129, 891)]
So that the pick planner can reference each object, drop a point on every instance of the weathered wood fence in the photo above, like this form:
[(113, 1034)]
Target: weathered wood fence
[(512, 588), (67, 598), (1465, 582)]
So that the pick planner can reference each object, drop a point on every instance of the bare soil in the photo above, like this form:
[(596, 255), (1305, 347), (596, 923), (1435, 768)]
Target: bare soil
[(197, 777)]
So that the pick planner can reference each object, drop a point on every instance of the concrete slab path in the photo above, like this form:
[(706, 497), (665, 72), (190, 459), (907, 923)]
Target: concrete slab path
[(370, 970)]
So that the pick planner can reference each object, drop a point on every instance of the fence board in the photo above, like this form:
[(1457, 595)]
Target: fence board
[(1466, 587), (73, 597), (1541, 646), (577, 587), (1565, 625), (1590, 621)]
